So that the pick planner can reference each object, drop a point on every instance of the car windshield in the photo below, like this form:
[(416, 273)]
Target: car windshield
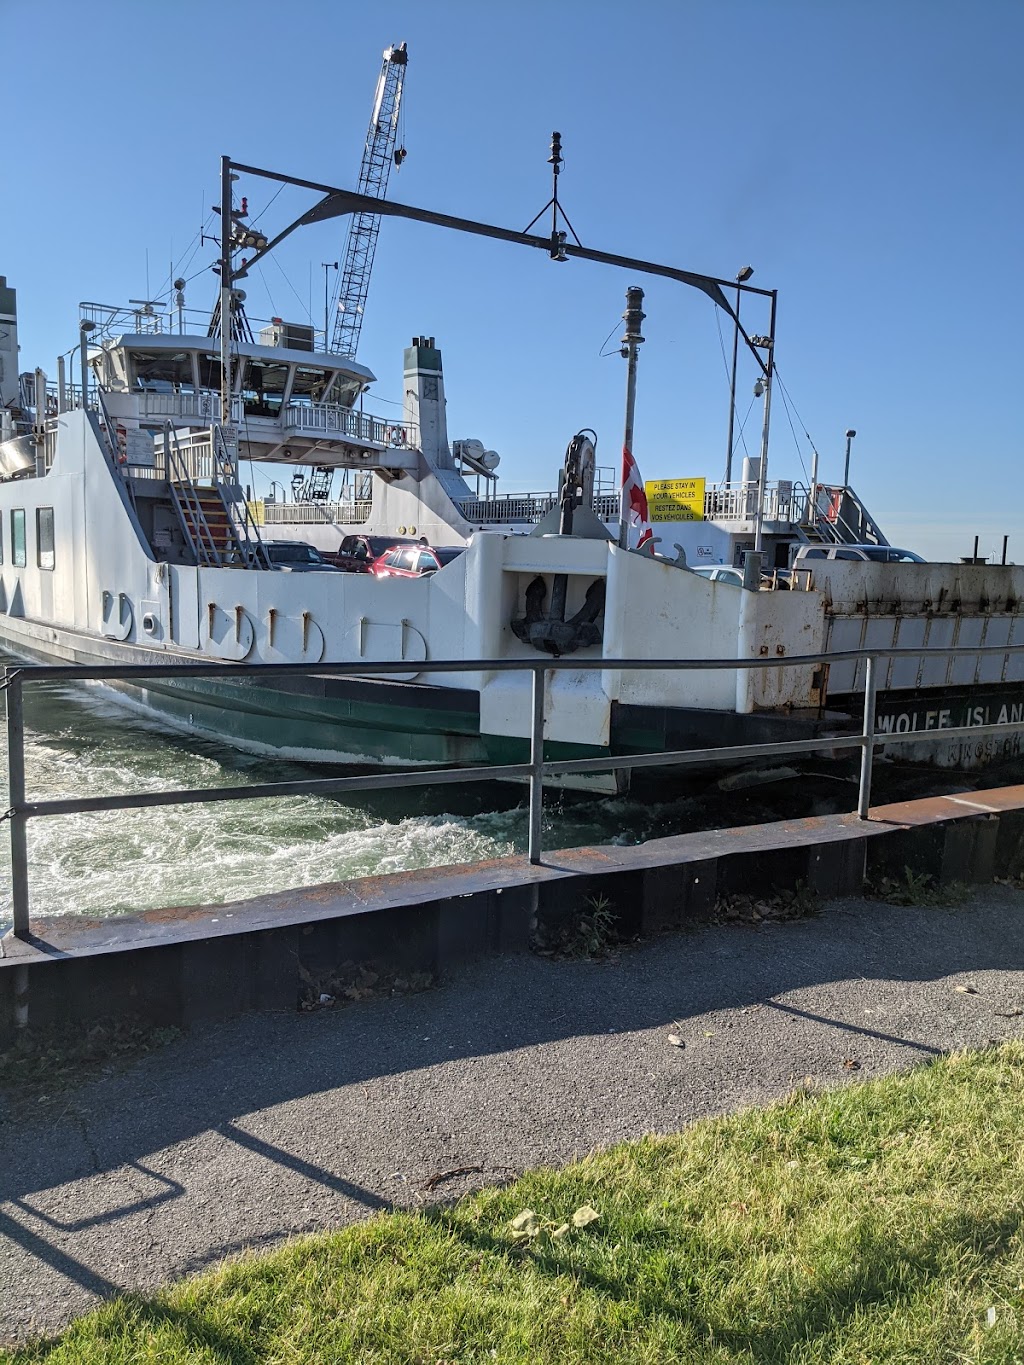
[(294, 554), (445, 556)]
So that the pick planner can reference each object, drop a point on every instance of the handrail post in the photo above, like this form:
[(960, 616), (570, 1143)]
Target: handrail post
[(16, 800), (867, 753), (537, 764)]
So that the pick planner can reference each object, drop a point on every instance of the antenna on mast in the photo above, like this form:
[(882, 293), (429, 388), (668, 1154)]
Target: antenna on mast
[(557, 248)]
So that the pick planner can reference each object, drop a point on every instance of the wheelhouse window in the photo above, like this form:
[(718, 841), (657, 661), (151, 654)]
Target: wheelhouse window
[(45, 555), (162, 371), (209, 371), (310, 385), (18, 558), (263, 388), (342, 389)]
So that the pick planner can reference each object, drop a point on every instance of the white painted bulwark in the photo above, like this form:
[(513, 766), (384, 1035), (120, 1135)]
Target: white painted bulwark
[(151, 557)]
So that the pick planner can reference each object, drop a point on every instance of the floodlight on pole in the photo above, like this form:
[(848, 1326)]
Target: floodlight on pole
[(84, 328), (846, 472)]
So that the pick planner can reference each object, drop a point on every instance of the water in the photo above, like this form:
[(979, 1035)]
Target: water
[(82, 740)]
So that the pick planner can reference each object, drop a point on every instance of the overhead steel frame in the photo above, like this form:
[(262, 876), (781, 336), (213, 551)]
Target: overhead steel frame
[(336, 202)]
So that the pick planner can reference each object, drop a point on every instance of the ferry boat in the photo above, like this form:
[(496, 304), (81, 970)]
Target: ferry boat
[(127, 535)]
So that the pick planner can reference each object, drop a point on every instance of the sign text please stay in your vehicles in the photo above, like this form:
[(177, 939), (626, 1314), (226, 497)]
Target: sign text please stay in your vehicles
[(675, 499)]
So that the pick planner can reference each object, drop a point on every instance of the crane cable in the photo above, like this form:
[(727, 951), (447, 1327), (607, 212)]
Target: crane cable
[(787, 401)]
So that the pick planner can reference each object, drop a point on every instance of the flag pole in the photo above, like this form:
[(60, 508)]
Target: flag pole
[(631, 341)]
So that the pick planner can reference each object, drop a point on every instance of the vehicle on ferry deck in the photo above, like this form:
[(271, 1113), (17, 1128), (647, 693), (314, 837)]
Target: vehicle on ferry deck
[(877, 554), (721, 573), (357, 553), (296, 556), (414, 561)]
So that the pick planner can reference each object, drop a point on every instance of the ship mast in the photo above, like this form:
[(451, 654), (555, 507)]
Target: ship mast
[(226, 283)]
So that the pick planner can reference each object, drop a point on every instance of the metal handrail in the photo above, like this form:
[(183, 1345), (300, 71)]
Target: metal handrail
[(783, 502), (340, 514), (21, 811)]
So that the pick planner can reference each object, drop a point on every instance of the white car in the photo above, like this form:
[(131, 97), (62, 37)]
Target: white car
[(720, 573), (878, 554)]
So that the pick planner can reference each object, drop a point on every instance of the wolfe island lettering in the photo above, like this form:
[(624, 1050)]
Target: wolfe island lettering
[(947, 718), (961, 715)]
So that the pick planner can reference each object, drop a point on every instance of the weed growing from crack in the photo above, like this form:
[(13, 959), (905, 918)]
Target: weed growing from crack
[(590, 934), (918, 889)]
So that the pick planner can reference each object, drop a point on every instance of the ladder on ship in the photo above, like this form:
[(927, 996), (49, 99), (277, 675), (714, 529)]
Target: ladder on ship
[(215, 518), (838, 517)]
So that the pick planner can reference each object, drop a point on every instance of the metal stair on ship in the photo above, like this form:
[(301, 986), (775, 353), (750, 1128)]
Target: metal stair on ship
[(837, 516), (214, 517)]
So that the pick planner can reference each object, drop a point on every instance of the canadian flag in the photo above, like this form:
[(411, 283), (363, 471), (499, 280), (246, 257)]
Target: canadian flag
[(634, 502)]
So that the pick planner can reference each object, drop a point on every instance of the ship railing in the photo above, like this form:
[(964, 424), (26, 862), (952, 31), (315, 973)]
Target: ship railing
[(203, 405), (194, 456), (536, 770), (509, 507), (49, 448), (784, 503), (112, 320), (58, 399), (529, 507), (333, 420), (317, 513)]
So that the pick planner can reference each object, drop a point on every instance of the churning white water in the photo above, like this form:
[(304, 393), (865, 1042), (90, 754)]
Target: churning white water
[(82, 741)]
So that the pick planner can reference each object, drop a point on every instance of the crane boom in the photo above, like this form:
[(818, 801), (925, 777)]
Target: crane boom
[(379, 154)]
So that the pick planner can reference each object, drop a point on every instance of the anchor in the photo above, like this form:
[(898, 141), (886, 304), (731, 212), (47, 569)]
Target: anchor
[(551, 632)]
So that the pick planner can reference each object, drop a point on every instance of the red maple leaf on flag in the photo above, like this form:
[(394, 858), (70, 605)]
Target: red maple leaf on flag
[(638, 502), (634, 496)]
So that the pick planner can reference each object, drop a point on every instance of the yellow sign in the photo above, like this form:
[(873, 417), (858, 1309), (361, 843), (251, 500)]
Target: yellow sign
[(675, 499)]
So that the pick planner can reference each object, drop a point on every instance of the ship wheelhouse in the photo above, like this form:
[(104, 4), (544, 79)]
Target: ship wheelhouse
[(289, 403)]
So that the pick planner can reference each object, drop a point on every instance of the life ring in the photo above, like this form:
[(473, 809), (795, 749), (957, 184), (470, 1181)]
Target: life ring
[(835, 501), (396, 436), (121, 440)]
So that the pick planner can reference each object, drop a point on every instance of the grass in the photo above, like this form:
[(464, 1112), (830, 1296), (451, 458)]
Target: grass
[(879, 1223)]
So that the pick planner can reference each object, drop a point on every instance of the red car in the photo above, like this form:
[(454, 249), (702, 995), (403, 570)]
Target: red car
[(413, 561), (357, 553)]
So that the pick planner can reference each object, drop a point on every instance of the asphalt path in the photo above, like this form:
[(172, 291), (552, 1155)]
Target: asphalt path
[(247, 1133)]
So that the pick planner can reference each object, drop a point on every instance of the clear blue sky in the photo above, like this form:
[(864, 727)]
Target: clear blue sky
[(863, 157)]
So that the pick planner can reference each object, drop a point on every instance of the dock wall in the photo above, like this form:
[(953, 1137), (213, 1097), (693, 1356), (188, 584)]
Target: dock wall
[(181, 965)]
